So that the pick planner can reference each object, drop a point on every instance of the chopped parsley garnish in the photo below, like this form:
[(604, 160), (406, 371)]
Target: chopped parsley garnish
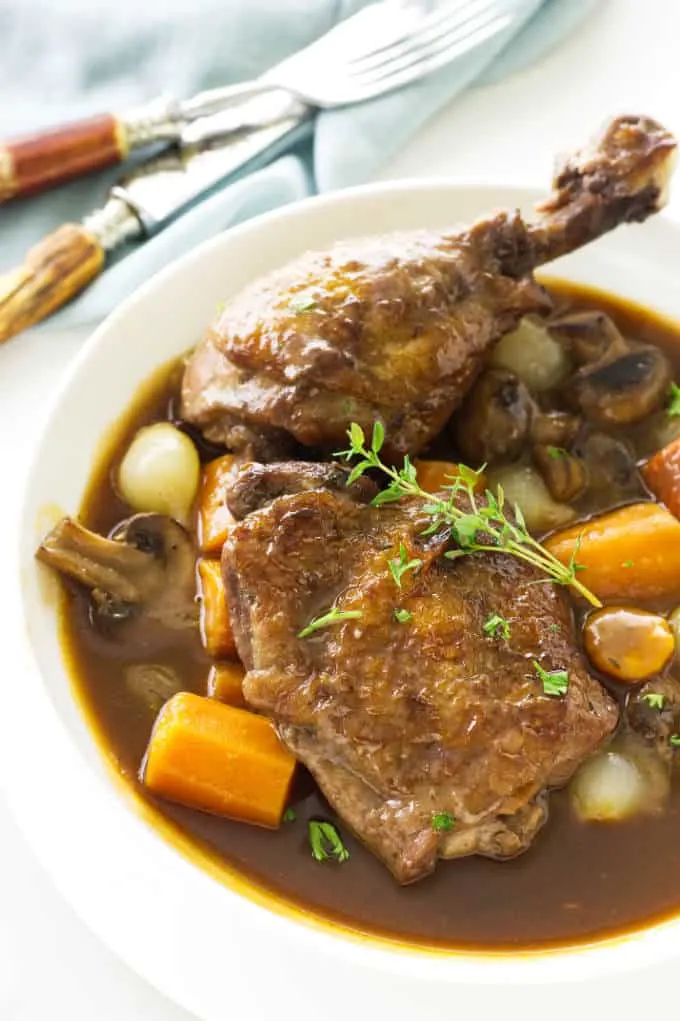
[(673, 406), (554, 627), (326, 842), (333, 616), (442, 822), (655, 700), (403, 616), (555, 682), (496, 626), (628, 563), (556, 453), (401, 565), (303, 303), (674, 741), (474, 525), (290, 815)]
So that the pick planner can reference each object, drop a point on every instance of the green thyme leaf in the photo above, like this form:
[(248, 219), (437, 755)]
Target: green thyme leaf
[(674, 741), (442, 822), (555, 682), (357, 471), (399, 566), (290, 815), (389, 495), (303, 303), (403, 616), (465, 530), (333, 616), (654, 699), (673, 406), (556, 453), (496, 626), (519, 518), (356, 437), (408, 472), (326, 842), (378, 437)]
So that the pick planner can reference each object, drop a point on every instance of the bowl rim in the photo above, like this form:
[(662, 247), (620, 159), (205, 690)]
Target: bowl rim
[(610, 956)]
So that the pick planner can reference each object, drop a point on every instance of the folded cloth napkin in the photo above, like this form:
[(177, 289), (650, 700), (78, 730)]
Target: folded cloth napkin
[(64, 59)]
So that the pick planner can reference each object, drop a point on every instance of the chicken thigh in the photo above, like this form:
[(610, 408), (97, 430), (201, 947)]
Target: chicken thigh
[(430, 736)]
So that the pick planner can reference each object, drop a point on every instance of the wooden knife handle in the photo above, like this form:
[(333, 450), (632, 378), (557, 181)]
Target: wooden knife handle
[(54, 271), (48, 158)]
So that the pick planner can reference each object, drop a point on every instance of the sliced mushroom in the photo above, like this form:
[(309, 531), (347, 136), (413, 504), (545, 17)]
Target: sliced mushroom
[(564, 474), (611, 469), (589, 336), (145, 568), (620, 381), (555, 428), (152, 684), (493, 422), (500, 415), (626, 390)]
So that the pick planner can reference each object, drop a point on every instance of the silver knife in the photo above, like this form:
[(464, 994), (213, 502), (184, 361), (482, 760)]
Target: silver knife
[(210, 153)]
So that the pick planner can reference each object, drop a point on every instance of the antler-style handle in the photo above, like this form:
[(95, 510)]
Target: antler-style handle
[(55, 270), (48, 158)]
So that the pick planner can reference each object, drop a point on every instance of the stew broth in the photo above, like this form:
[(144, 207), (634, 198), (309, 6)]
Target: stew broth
[(577, 882)]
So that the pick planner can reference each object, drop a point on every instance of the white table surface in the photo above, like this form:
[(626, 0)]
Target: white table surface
[(624, 59)]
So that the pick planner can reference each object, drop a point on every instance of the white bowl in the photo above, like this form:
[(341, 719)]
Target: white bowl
[(212, 945)]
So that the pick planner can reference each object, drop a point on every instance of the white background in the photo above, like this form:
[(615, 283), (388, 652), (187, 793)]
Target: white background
[(625, 59)]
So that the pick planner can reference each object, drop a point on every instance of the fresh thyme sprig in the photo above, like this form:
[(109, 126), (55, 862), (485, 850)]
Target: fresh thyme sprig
[(483, 527), (327, 619)]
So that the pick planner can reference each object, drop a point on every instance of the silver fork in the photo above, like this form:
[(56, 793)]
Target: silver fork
[(210, 151), (383, 47)]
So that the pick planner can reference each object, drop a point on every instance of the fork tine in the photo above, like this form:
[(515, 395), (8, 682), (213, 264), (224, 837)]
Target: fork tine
[(428, 57), (447, 17)]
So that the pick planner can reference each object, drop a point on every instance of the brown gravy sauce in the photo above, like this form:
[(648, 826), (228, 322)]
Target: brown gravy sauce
[(576, 883)]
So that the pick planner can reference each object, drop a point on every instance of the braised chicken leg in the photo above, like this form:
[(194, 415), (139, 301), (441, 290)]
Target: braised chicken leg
[(396, 328)]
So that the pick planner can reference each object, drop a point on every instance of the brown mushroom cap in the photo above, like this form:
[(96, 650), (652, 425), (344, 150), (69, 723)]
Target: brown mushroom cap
[(494, 420), (620, 381), (144, 569), (564, 474)]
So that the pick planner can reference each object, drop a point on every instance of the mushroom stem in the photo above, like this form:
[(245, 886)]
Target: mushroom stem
[(148, 567), (96, 562)]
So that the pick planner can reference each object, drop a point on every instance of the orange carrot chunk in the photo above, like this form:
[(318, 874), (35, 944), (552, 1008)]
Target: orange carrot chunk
[(225, 682), (630, 553), (214, 517), (216, 632), (218, 759), (662, 475), (434, 475)]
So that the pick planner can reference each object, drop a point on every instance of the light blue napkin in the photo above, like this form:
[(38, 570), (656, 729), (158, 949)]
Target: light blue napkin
[(63, 59)]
